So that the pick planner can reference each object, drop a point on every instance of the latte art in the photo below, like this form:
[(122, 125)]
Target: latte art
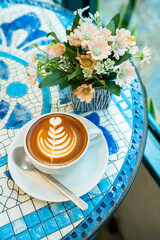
[(57, 143), (56, 139)]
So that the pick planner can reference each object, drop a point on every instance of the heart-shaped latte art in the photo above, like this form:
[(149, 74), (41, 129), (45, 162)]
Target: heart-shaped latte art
[(55, 121)]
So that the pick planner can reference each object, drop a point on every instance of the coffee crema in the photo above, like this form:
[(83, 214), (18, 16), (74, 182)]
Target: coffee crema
[(56, 139)]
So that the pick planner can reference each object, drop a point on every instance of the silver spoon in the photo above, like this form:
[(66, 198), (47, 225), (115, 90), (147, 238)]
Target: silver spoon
[(24, 163)]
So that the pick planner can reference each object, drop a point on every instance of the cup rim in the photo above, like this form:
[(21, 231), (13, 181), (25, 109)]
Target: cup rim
[(54, 166)]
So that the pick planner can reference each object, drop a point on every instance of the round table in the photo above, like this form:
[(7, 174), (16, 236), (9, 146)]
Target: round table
[(124, 126)]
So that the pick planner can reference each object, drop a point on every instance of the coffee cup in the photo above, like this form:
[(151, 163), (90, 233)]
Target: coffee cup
[(56, 142)]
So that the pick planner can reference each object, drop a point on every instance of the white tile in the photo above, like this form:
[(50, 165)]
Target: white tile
[(66, 230), (113, 109), (121, 143), (55, 236), (123, 105), (127, 93), (39, 204), (111, 170), (75, 224), (130, 100), (118, 118), (128, 113), (4, 219), (110, 128), (119, 164), (113, 157), (128, 135), (124, 126), (14, 213), (27, 207)]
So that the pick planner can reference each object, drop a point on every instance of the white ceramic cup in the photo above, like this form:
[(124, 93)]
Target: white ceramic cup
[(94, 135)]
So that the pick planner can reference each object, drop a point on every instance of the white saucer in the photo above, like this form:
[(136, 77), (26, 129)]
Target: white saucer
[(80, 180)]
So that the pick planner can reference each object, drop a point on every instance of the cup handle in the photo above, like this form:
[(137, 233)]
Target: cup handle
[(95, 134)]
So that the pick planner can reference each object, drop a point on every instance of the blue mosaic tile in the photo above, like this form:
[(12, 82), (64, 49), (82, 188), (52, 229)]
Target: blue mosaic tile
[(29, 22), (94, 192), (104, 185), (37, 232), (112, 144), (96, 200), (3, 160), (45, 213), (75, 214), (6, 231), (19, 225), (64, 95), (4, 107), (50, 226), (17, 89), (19, 117), (57, 208), (89, 210), (23, 236), (69, 205), (32, 219), (12, 238), (7, 173), (4, 71), (85, 197), (63, 220)]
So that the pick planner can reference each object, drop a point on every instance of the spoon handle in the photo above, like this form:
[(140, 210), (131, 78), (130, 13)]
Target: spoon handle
[(69, 194)]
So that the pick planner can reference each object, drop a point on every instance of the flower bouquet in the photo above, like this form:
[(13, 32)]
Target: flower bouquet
[(94, 61)]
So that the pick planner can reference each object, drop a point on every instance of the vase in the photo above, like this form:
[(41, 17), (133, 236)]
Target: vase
[(100, 100)]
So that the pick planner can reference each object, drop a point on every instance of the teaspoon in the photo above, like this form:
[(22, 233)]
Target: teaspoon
[(24, 163)]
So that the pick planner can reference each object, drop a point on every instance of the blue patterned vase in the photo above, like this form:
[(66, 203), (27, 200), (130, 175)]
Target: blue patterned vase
[(100, 100)]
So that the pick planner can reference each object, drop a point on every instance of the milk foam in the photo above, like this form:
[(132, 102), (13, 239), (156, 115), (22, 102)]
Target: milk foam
[(58, 142)]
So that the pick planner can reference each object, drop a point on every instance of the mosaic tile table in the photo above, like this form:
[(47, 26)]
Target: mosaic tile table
[(124, 126)]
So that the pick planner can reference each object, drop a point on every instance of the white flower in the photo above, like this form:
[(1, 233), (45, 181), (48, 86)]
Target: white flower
[(99, 67), (99, 49), (109, 64), (119, 47), (129, 39), (145, 55), (87, 73), (125, 75)]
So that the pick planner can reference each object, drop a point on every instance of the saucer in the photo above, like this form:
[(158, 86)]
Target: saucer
[(80, 180)]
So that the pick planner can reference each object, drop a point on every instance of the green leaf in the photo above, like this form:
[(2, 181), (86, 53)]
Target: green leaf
[(111, 27), (113, 24), (76, 22), (76, 73), (124, 58), (70, 53), (113, 88), (74, 84), (56, 78), (53, 34), (116, 20), (68, 32), (110, 76)]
